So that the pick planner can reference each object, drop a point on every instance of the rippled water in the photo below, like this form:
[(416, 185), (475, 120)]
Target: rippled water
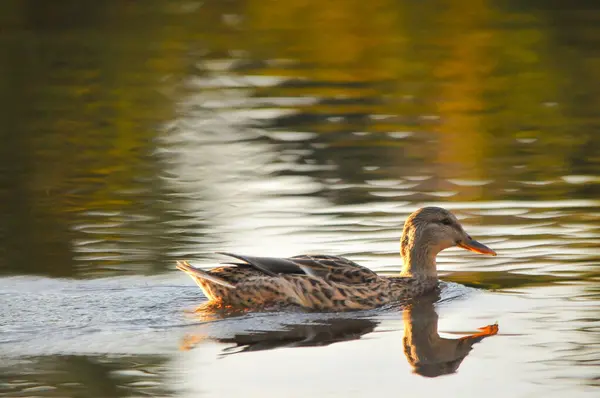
[(137, 134)]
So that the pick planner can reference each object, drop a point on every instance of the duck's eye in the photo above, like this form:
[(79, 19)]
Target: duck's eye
[(447, 221)]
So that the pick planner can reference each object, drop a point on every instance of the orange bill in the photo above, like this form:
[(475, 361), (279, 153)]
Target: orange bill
[(474, 246)]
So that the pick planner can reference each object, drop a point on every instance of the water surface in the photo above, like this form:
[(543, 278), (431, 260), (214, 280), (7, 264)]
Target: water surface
[(137, 134)]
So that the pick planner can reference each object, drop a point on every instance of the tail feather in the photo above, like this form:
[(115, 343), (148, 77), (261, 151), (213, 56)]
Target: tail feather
[(198, 273)]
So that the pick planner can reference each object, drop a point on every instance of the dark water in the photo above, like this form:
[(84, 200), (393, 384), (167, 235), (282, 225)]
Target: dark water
[(137, 133)]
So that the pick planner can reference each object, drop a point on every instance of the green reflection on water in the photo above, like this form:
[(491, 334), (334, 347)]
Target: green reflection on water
[(85, 376)]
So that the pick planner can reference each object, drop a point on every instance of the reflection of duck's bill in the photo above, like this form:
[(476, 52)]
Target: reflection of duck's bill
[(486, 331), (476, 247)]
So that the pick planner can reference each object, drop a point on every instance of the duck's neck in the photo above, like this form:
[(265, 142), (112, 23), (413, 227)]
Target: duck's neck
[(418, 258)]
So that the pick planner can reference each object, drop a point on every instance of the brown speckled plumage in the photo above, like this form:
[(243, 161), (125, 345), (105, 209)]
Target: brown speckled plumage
[(331, 283)]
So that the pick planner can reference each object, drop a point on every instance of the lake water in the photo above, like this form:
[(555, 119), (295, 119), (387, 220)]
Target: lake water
[(137, 133)]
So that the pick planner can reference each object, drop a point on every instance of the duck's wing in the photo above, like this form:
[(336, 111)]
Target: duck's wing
[(333, 268), (272, 266)]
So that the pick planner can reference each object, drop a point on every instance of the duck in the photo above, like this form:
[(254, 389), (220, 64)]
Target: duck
[(321, 282)]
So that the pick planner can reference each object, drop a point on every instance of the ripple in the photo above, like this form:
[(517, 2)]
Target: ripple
[(470, 183), (291, 135), (581, 179)]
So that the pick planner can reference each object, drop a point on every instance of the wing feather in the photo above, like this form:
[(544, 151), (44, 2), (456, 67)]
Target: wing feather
[(332, 268)]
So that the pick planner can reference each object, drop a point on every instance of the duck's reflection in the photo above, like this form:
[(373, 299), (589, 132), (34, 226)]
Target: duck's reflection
[(301, 335), (426, 351), (428, 354)]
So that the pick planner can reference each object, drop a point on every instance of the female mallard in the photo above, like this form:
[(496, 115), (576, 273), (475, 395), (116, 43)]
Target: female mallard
[(332, 283)]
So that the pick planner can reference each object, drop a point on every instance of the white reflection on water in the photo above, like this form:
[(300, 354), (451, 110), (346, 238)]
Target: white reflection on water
[(205, 157), (547, 341)]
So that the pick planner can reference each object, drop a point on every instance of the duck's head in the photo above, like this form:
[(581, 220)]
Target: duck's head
[(427, 232)]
